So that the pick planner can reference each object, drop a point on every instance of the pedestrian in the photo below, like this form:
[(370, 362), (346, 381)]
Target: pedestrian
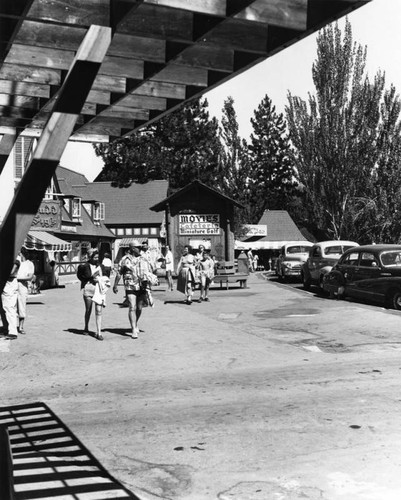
[(9, 299), (90, 274), (25, 274), (106, 265), (54, 278), (250, 260), (206, 271), (255, 262), (168, 263), (186, 274), (133, 269)]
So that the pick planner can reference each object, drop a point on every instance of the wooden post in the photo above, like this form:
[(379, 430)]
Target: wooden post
[(6, 465), (32, 187)]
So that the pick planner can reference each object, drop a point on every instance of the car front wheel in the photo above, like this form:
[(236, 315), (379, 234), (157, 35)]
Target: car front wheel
[(396, 301)]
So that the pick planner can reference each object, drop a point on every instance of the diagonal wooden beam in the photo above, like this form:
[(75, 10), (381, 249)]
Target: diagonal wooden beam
[(51, 145)]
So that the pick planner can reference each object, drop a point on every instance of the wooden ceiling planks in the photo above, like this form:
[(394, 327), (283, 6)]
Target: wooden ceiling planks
[(163, 52)]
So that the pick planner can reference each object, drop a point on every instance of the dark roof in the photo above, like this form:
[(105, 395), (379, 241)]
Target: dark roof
[(194, 185), (280, 227), (67, 178), (127, 205)]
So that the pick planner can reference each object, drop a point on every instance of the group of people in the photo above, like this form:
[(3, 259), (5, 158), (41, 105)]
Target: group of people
[(137, 272), (14, 296), (193, 269), (253, 261)]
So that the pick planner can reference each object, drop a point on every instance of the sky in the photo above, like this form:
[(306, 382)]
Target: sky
[(376, 25)]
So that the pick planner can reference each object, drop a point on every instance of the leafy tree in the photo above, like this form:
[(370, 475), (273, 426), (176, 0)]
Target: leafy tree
[(272, 176), (180, 147), (339, 138)]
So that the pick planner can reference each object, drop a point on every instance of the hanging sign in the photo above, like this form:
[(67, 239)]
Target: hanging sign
[(48, 216), (199, 224)]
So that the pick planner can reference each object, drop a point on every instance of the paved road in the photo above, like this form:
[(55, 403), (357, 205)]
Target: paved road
[(264, 393)]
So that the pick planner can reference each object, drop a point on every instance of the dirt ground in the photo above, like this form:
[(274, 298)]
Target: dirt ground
[(264, 393)]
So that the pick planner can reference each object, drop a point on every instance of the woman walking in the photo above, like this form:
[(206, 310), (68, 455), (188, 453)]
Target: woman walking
[(90, 277), (186, 275)]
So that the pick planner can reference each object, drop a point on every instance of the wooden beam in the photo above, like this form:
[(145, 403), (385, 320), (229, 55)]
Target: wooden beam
[(7, 142), (51, 145)]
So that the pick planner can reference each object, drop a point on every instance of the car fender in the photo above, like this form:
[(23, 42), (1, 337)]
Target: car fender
[(325, 270)]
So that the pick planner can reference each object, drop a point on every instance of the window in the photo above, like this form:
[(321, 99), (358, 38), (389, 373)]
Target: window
[(98, 211), (113, 230), (145, 230), (120, 231), (153, 230), (22, 155), (76, 208), (128, 231), (351, 259), (368, 260), (137, 231)]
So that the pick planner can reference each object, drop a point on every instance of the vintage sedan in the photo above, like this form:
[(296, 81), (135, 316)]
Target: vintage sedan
[(369, 273), (322, 257), (292, 256)]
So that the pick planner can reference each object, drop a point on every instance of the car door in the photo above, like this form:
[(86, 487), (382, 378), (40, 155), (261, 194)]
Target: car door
[(313, 263), (368, 271), (347, 266)]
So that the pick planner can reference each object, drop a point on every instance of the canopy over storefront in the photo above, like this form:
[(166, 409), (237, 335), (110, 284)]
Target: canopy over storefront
[(42, 240), (125, 242)]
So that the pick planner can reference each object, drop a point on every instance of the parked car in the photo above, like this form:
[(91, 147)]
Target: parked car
[(322, 257), (370, 272), (292, 256)]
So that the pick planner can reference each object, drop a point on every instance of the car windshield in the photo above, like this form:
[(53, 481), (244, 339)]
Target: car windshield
[(391, 258), (297, 249), (337, 249)]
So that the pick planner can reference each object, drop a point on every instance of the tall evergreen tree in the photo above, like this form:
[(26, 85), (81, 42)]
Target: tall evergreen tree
[(272, 179), (180, 147)]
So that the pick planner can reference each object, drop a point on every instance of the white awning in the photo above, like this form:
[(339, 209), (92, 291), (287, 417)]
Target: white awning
[(42, 240), (259, 245), (125, 242)]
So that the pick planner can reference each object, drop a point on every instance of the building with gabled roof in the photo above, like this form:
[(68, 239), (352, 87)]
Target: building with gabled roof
[(278, 227)]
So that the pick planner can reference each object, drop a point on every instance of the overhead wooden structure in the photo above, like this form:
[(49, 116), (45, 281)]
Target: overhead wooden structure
[(163, 53), (95, 70)]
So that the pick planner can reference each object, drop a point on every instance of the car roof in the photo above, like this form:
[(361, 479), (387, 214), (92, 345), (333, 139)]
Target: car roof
[(335, 242), (376, 248), (300, 243)]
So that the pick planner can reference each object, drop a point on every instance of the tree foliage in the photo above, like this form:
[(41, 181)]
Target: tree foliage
[(272, 175), (180, 147), (346, 140)]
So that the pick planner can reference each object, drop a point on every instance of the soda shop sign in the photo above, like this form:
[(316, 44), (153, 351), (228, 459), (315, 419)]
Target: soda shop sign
[(48, 216)]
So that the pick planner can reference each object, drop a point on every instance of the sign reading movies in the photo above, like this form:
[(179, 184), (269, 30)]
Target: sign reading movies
[(199, 224)]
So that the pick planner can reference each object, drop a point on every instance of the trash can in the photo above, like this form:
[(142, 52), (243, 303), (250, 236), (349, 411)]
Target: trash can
[(243, 267)]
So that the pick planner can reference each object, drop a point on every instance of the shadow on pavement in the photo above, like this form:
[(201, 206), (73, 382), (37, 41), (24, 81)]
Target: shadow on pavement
[(49, 461)]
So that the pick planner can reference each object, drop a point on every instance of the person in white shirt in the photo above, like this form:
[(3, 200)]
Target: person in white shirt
[(25, 274), (169, 266)]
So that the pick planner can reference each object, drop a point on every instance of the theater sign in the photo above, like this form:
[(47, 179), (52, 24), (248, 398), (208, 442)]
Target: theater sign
[(206, 224)]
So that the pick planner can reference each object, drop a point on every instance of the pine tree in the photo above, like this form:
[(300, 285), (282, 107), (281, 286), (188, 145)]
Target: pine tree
[(272, 178)]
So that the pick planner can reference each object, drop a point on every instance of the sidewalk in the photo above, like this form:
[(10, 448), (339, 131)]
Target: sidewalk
[(250, 396)]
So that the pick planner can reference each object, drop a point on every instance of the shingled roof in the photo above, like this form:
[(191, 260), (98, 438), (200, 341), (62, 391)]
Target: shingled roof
[(280, 227), (127, 205)]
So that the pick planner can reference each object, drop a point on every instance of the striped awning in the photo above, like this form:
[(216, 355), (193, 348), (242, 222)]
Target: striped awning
[(125, 242), (42, 240)]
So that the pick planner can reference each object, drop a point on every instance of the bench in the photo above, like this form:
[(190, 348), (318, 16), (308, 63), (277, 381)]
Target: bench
[(231, 278)]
